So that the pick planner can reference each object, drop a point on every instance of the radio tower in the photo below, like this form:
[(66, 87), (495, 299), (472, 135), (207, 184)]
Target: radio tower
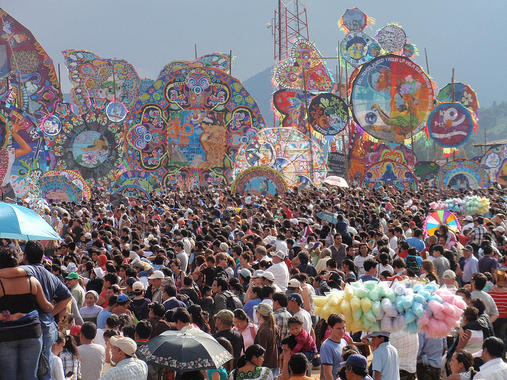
[(290, 22)]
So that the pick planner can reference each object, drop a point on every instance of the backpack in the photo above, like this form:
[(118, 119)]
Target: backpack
[(232, 301), (412, 265)]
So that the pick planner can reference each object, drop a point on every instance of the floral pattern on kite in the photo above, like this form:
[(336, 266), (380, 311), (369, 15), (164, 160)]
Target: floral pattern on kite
[(390, 173), (329, 114), (27, 74), (23, 157), (291, 106), (260, 181), (193, 118), (135, 183), (304, 69), (450, 125), (64, 186), (391, 98), (89, 143), (463, 94), (462, 174), (287, 151), (94, 77)]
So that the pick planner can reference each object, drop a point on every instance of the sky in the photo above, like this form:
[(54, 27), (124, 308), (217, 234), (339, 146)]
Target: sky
[(466, 35)]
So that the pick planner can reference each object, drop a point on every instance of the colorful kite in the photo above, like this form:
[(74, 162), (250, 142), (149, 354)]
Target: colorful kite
[(90, 144), (260, 181), (450, 125), (286, 150), (462, 174), (409, 51), (397, 153), (392, 98), (64, 186), (304, 69), (27, 74), (291, 106), (328, 114), (358, 48), (101, 78), (426, 170), (440, 218), (217, 61), (494, 162), (463, 94), (136, 183), (189, 125), (390, 173), (392, 38), (23, 157), (354, 20)]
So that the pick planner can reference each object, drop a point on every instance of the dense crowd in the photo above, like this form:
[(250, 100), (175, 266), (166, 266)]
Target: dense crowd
[(245, 269)]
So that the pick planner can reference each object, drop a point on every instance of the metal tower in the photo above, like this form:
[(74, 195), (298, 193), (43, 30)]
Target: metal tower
[(290, 22)]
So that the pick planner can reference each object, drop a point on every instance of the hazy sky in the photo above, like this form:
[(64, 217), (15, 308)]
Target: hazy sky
[(467, 35)]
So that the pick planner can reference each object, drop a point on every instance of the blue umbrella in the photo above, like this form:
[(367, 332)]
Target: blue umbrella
[(18, 222)]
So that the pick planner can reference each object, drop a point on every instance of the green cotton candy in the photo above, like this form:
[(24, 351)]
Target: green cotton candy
[(370, 316), (370, 285), (376, 308), (374, 294), (357, 315), (389, 293), (360, 292), (365, 304), (376, 326)]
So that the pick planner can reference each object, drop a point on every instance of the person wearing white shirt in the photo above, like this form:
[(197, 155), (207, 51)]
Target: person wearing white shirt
[(407, 345), (279, 270), (494, 368)]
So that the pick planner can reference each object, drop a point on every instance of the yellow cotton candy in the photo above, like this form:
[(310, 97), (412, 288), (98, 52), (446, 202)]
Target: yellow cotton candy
[(320, 300), (345, 307), (348, 293), (355, 326), (318, 309), (325, 311), (365, 304), (333, 300), (355, 303)]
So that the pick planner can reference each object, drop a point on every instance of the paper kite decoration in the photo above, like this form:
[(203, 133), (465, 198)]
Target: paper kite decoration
[(392, 38), (391, 98), (438, 218), (462, 174), (260, 181), (329, 114), (64, 186), (494, 162), (291, 106), (390, 173), (358, 48), (136, 183), (354, 20), (450, 125), (463, 94), (426, 170)]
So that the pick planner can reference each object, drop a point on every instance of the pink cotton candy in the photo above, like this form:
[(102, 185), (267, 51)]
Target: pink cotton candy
[(424, 320), (448, 308), (437, 309), (459, 302)]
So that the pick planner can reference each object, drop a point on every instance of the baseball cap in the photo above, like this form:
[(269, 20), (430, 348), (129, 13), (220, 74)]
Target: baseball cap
[(268, 276), (297, 298), (157, 274), (280, 254), (468, 247), (499, 229), (264, 309), (356, 360), (122, 298), (224, 247), (449, 274), (245, 273), (130, 281), (378, 333), (137, 286), (469, 218), (293, 283), (226, 316), (258, 273), (75, 330), (127, 345), (72, 276)]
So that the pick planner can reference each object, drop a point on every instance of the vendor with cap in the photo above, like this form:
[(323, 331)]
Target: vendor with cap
[(128, 367), (356, 367), (385, 363)]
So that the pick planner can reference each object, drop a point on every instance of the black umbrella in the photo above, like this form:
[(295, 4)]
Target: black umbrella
[(187, 350)]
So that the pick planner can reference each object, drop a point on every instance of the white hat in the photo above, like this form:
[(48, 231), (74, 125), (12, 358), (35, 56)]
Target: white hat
[(127, 345), (268, 276), (280, 254), (157, 274), (258, 273), (293, 283), (499, 229), (469, 218), (99, 272), (138, 285)]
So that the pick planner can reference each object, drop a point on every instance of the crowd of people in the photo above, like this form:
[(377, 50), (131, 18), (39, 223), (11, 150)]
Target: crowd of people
[(245, 269)]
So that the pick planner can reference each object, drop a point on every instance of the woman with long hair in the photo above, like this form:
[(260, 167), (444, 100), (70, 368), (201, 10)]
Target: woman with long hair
[(462, 366), (197, 318), (266, 335), (428, 271), (71, 360), (250, 365), (247, 329)]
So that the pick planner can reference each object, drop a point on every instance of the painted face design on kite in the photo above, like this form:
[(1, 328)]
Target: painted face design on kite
[(450, 124)]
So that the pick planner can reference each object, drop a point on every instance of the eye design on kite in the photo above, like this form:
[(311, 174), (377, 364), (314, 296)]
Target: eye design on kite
[(370, 118)]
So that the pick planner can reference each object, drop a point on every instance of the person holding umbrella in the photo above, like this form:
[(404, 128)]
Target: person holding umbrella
[(128, 367)]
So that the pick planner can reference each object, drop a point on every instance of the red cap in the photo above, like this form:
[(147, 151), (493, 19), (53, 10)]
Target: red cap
[(75, 330)]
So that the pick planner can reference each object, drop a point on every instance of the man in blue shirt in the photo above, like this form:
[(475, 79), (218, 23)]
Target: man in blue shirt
[(331, 349), (54, 291), (429, 357), (385, 363)]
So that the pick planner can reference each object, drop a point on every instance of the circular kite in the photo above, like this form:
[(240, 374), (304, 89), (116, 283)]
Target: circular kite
[(329, 114), (463, 174), (89, 144), (189, 125), (390, 173), (392, 38), (286, 150), (64, 186), (463, 94), (354, 20), (438, 218), (409, 51), (116, 112), (450, 125), (495, 163), (135, 183), (391, 98), (358, 48), (260, 181)]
